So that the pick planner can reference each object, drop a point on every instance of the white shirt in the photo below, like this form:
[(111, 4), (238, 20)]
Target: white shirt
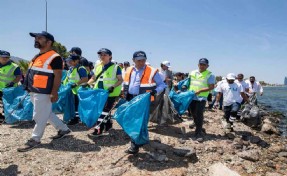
[(162, 74), (242, 83), (231, 93), (218, 85), (256, 87)]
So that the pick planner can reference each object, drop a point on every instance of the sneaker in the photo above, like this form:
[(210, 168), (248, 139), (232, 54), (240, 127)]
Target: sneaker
[(199, 137), (96, 133), (61, 134), (74, 121), (30, 144), (132, 151)]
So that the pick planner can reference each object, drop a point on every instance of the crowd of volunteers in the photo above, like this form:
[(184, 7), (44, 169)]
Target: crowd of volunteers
[(48, 70)]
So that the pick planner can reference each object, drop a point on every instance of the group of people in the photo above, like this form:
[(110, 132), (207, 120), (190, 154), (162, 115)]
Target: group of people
[(44, 77)]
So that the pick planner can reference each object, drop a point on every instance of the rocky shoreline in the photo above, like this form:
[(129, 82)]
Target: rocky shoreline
[(172, 150)]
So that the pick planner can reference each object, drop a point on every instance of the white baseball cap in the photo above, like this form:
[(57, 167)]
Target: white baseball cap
[(166, 63), (231, 76)]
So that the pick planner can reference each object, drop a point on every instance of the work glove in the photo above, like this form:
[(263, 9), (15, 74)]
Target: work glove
[(11, 84), (111, 89), (153, 92), (73, 85)]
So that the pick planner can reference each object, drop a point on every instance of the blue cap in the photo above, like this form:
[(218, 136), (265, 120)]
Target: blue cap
[(203, 61), (73, 57), (77, 50), (4, 53), (105, 50), (139, 55), (45, 34)]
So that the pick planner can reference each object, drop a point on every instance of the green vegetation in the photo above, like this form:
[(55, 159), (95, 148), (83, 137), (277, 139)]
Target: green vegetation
[(61, 49)]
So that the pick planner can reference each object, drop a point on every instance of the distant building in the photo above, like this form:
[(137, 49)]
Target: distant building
[(285, 81)]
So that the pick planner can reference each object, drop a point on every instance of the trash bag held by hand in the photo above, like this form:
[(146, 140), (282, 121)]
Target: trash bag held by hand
[(91, 105), (133, 117), (181, 101), (65, 103), (17, 105)]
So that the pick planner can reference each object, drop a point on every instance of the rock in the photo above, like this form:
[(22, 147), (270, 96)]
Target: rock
[(230, 136), (157, 139), (269, 129), (113, 172), (220, 151), (220, 169), (227, 158), (255, 139), (158, 157), (282, 154), (272, 174), (181, 141), (159, 146), (263, 144), (238, 146), (271, 164), (252, 155), (275, 149), (185, 152)]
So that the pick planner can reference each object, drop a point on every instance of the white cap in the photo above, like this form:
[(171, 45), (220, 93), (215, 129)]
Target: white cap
[(147, 63), (223, 78), (231, 76), (166, 63)]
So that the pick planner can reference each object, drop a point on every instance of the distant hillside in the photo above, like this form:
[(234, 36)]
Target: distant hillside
[(16, 59)]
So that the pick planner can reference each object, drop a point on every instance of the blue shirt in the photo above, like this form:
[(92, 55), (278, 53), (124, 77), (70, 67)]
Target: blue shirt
[(81, 71), (210, 80), (135, 81), (17, 71)]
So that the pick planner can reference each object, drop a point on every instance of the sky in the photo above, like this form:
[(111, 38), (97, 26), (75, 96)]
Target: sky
[(237, 36)]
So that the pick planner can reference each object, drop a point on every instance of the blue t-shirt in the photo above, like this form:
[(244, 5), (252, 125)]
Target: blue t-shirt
[(17, 71), (81, 71)]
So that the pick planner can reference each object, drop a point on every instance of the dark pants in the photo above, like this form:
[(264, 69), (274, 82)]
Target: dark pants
[(220, 101), (231, 111), (197, 109), (1, 106), (104, 120)]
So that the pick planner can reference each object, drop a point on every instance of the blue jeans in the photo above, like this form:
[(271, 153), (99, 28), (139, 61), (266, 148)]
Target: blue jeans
[(231, 111)]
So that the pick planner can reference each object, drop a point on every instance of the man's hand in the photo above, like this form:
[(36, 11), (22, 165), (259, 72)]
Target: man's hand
[(153, 92), (54, 97), (73, 85), (198, 92), (215, 106), (111, 89), (11, 84)]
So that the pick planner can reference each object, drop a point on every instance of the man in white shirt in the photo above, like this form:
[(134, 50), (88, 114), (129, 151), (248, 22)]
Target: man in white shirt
[(166, 75), (240, 81), (232, 98), (254, 86)]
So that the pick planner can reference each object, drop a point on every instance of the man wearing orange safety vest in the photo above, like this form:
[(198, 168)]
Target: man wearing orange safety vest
[(140, 79), (43, 80)]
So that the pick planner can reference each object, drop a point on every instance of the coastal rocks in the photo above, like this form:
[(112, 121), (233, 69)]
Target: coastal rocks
[(185, 152), (268, 128), (252, 155), (158, 157), (282, 154), (220, 169)]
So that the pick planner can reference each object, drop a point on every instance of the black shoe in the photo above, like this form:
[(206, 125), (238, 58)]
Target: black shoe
[(96, 133), (108, 126), (30, 144), (132, 151), (199, 137), (61, 134), (74, 121)]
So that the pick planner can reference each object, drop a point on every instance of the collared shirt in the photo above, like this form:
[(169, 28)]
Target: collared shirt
[(17, 71), (242, 83), (135, 81), (254, 88)]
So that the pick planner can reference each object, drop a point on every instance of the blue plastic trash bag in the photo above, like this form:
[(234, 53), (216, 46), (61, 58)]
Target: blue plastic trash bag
[(91, 105), (17, 100), (65, 103), (120, 102), (181, 101), (181, 83), (133, 117)]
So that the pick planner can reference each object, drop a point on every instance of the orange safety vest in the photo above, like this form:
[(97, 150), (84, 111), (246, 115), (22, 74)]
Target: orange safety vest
[(147, 84), (40, 76)]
